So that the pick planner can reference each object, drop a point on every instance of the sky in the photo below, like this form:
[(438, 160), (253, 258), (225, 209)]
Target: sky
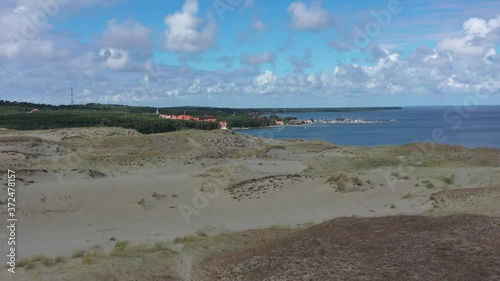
[(251, 53)]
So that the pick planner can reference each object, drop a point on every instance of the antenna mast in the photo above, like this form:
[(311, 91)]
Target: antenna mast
[(72, 96)]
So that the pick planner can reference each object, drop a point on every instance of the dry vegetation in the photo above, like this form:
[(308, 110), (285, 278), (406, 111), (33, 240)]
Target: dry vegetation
[(433, 247), (345, 182), (391, 248)]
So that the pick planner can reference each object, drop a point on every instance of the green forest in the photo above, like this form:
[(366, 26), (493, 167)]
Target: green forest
[(13, 115)]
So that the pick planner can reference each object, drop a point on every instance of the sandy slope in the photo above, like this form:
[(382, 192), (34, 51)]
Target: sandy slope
[(82, 187)]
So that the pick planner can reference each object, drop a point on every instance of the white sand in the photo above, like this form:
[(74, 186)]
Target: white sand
[(80, 213), (69, 210)]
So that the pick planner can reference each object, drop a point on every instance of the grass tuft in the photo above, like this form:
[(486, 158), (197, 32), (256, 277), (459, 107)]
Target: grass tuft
[(158, 196), (187, 239), (429, 184), (202, 233), (23, 262), (407, 196), (122, 249), (30, 265), (87, 258), (78, 254), (342, 179), (122, 244), (46, 261), (449, 180), (142, 202), (60, 259), (159, 246)]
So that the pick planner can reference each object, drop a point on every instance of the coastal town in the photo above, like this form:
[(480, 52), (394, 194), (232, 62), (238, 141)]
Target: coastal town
[(206, 118), (275, 120)]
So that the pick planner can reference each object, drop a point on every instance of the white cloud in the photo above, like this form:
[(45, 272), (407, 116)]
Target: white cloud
[(309, 18), (21, 35), (26, 26), (461, 46), (114, 59), (490, 56), (184, 34), (20, 9), (266, 78), (59, 61), (256, 60), (478, 38), (126, 35), (451, 84), (476, 27)]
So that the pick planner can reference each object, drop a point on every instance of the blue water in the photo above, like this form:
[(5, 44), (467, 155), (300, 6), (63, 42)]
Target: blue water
[(465, 126)]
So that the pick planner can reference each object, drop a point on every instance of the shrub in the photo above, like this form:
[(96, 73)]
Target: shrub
[(341, 185), (121, 249), (142, 202), (46, 261), (122, 244), (187, 239), (156, 195), (338, 176), (430, 185), (30, 265), (87, 258), (23, 262), (407, 196), (159, 246), (78, 254), (277, 227), (449, 180), (341, 179), (201, 233)]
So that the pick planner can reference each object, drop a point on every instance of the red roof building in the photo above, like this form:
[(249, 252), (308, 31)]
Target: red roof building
[(223, 125)]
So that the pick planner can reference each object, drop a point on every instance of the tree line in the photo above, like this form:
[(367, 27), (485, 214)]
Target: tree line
[(145, 124)]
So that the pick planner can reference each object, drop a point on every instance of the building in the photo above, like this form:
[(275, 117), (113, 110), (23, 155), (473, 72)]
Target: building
[(180, 117), (279, 123), (223, 125)]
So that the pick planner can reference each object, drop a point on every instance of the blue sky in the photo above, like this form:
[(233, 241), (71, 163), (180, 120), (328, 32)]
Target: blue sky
[(242, 53)]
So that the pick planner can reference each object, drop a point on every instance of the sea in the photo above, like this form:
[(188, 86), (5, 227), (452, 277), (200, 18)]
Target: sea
[(468, 126)]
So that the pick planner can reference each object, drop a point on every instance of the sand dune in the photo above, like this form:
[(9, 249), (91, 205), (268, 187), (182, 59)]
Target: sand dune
[(78, 188)]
